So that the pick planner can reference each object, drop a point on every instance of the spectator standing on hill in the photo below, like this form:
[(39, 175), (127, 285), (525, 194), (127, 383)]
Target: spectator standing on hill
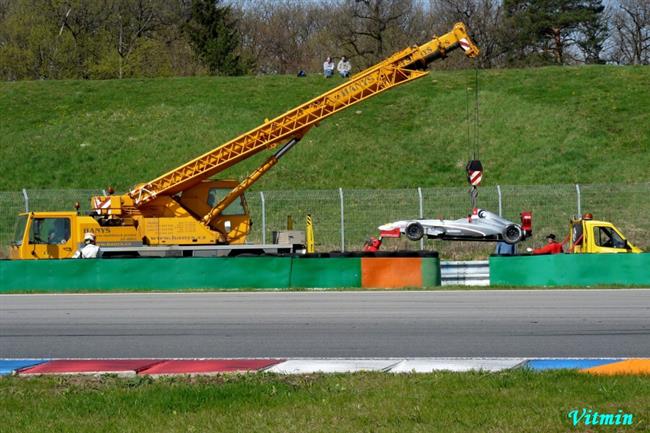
[(328, 67), (344, 67), (551, 247)]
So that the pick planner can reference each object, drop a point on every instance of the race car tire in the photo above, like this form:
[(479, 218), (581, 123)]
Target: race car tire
[(512, 234), (414, 231)]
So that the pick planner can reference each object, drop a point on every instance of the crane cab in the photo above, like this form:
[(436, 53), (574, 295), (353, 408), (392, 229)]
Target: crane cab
[(57, 235), (44, 235)]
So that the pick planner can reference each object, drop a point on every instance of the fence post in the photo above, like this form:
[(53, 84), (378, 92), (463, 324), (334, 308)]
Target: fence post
[(342, 221), (263, 218), (421, 214), (500, 203), (579, 199), (26, 197)]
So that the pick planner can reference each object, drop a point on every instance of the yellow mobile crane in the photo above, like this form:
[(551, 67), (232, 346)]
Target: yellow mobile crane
[(183, 212)]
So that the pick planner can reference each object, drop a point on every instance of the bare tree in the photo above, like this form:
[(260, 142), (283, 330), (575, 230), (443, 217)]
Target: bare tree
[(283, 36), (631, 32), (84, 21), (369, 30), (133, 20), (484, 19), (4, 7)]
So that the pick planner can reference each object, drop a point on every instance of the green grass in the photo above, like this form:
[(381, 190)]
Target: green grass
[(538, 126), (515, 401)]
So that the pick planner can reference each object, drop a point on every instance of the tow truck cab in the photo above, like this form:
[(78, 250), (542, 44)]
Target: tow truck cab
[(592, 236)]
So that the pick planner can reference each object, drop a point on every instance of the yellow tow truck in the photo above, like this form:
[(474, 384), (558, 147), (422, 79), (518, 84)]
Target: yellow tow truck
[(588, 235)]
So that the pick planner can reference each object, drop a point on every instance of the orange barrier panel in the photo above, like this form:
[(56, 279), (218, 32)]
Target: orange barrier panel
[(630, 366), (391, 272)]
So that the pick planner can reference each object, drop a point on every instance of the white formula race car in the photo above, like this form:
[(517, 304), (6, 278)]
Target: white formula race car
[(481, 225)]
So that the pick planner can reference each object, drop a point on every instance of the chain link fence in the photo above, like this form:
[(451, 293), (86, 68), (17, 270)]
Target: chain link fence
[(344, 219)]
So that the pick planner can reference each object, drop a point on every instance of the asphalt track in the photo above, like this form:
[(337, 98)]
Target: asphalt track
[(481, 323)]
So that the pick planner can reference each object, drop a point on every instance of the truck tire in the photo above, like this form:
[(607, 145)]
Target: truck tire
[(512, 234), (414, 231)]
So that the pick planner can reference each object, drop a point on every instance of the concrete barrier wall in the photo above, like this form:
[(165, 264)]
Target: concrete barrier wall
[(570, 270), (218, 273)]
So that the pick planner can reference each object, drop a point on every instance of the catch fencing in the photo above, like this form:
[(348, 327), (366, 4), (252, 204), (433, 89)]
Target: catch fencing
[(344, 219)]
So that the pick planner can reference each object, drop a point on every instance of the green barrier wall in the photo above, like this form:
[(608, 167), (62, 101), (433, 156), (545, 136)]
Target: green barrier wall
[(570, 270), (191, 273), (430, 271), (326, 272), (146, 274)]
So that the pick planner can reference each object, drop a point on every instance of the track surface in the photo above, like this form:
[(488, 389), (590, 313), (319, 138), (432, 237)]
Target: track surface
[(580, 323)]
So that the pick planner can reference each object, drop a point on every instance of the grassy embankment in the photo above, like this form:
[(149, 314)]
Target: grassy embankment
[(516, 401), (538, 126)]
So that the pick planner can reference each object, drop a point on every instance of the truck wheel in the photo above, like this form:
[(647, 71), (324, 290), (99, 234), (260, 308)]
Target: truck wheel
[(512, 234), (414, 231)]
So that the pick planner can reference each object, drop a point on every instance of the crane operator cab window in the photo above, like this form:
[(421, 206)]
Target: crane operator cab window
[(215, 195), (608, 238), (50, 231)]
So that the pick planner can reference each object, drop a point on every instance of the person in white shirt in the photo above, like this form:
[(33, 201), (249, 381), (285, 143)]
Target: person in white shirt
[(328, 67), (344, 67), (89, 250)]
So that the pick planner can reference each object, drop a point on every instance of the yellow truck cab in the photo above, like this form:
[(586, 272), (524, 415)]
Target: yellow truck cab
[(45, 235), (592, 236), (57, 235)]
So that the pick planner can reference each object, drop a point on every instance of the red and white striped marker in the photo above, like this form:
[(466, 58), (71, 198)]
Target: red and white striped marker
[(102, 202), (475, 177)]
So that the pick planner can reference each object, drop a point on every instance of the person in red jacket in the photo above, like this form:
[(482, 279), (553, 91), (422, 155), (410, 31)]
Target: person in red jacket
[(372, 245), (551, 247)]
